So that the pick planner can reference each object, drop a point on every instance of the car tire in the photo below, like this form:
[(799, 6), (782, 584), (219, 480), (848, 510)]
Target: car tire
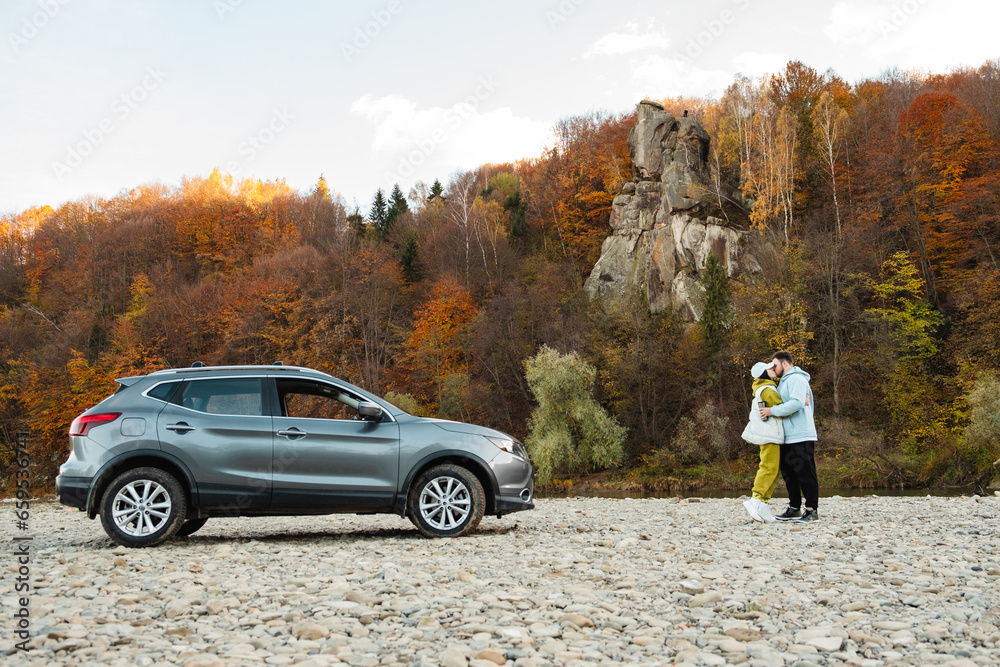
[(446, 501), (143, 507), (190, 527)]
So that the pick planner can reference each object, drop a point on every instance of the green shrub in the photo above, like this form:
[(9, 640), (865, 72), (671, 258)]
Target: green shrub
[(569, 431)]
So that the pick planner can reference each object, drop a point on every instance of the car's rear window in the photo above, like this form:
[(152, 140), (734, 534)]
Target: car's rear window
[(230, 396), (162, 391)]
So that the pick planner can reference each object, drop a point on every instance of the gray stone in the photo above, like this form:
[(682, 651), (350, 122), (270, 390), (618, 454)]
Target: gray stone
[(454, 657), (891, 626), (705, 599), (176, 608), (826, 644), (692, 586), (537, 594), (666, 225), (645, 141)]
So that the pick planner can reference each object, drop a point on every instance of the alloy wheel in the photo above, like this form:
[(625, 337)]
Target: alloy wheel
[(141, 507), (445, 503)]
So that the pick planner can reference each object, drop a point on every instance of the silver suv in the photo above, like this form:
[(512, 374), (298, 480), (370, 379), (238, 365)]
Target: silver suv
[(173, 448)]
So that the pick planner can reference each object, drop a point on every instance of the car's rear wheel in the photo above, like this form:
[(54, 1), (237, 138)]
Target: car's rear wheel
[(446, 501), (143, 507), (190, 527)]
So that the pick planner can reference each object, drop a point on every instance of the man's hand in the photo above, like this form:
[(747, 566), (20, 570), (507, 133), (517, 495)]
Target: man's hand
[(765, 413)]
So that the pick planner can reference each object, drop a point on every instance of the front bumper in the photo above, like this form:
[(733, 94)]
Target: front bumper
[(73, 491)]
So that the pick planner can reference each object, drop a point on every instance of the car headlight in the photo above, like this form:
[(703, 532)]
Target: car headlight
[(510, 446)]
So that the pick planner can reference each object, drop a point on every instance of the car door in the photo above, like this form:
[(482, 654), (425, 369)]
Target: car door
[(325, 456), (219, 428)]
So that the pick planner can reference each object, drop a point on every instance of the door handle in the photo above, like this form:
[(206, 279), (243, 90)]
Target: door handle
[(293, 433), (180, 427)]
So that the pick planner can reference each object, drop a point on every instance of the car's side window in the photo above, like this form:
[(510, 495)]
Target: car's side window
[(305, 399), (230, 396)]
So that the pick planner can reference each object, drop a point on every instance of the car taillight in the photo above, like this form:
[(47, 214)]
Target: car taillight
[(82, 424)]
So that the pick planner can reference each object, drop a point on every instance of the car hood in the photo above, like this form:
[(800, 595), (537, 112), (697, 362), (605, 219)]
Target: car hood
[(462, 427)]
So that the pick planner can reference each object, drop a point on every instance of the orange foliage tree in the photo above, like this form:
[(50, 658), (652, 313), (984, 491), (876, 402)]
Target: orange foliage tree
[(437, 347), (570, 189), (951, 192)]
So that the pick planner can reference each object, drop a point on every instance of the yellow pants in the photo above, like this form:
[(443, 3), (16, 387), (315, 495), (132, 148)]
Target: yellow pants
[(767, 473)]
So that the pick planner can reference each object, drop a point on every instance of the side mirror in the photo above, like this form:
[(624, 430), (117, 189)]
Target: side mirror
[(370, 411)]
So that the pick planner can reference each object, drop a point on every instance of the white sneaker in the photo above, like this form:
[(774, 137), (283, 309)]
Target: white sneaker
[(764, 510), (752, 506)]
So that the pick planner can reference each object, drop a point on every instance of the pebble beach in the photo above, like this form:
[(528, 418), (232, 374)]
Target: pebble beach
[(577, 581)]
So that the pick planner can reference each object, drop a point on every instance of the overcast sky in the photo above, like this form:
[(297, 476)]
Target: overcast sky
[(97, 96)]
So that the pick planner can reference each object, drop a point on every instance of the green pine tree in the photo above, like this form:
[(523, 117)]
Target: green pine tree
[(379, 214), (436, 191), (397, 207), (716, 316), (408, 258), (515, 208)]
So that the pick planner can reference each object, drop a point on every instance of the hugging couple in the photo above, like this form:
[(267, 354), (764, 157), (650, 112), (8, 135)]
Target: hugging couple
[(781, 422)]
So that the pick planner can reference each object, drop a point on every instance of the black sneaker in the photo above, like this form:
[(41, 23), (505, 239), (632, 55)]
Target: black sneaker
[(790, 514), (811, 516)]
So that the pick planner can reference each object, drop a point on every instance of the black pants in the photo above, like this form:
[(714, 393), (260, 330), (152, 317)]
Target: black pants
[(798, 469)]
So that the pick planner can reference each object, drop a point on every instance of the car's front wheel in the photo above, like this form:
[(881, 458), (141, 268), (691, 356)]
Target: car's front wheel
[(143, 507), (446, 501)]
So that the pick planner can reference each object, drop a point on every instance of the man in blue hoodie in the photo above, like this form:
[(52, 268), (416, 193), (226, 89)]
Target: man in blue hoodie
[(798, 452)]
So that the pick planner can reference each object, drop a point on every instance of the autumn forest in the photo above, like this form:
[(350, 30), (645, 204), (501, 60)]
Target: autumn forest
[(873, 209)]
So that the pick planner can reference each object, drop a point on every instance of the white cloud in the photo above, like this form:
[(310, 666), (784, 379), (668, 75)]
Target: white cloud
[(912, 34), (396, 120), (855, 21), (913, 38), (622, 43), (411, 144), (754, 64), (665, 76)]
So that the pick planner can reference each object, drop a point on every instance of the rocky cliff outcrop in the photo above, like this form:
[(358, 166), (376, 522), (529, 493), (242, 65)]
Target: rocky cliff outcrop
[(666, 223)]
